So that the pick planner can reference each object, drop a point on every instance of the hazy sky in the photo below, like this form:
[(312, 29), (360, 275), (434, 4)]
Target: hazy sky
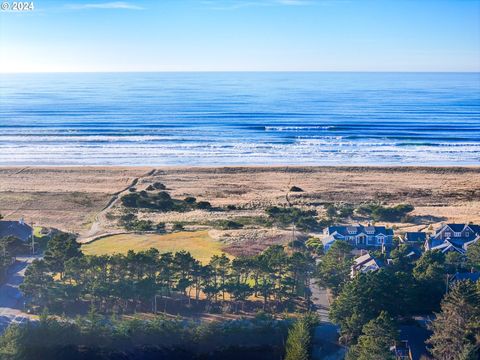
[(244, 35)]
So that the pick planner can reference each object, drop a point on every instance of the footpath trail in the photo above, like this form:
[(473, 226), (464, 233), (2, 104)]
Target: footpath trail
[(98, 228), (11, 300)]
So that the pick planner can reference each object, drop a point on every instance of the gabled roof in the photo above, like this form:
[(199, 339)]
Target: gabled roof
[(365, 263), (459, 228), (475, 228), (15, 228), (353, 230), (456, 227), (448, 246), (361, 259)]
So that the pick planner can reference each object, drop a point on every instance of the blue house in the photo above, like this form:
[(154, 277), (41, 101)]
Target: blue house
[(358, 236), (453, 237)]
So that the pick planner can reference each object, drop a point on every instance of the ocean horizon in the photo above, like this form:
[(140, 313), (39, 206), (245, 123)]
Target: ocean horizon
[(240, 118)]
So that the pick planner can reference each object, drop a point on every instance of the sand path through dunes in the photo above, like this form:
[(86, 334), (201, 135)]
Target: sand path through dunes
[(99, 228)]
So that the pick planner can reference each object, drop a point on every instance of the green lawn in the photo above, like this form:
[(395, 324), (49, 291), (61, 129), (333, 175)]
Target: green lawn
[(198, 243)]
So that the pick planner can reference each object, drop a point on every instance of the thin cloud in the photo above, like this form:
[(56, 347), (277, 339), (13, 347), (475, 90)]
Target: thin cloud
[(239, 4), (107, 5), (293, 2)]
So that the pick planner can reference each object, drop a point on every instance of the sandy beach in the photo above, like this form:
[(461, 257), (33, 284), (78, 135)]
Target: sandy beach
[(69, 198)]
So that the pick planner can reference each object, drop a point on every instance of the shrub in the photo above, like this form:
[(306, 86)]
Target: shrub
[(160, 227), (159, 186), (190, 200), (130, 200), (315, 244), (303, 219), (295, 189), (178, 227), (229, 224), (204, 205), (383, 213)]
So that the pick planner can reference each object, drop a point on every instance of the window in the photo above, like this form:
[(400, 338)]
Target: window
[(457, 234), (448, 234), (467, 234)]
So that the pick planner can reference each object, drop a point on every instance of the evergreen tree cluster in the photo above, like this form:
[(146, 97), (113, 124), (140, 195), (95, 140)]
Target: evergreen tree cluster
[(124, 283), (96, 338), (405, 288)]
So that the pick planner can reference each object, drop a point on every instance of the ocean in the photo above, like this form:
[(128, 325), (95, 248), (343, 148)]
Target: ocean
[(203, 119)]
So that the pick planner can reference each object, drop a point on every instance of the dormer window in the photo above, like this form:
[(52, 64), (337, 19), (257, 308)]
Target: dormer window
[(448, 234), (352, 230), (457, 234)]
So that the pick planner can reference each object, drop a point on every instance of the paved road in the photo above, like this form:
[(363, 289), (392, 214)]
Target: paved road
[(320, 300), (11, 302), (325, 339)]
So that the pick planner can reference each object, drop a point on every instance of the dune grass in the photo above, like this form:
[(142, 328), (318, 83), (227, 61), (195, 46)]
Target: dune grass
[(198, 243)]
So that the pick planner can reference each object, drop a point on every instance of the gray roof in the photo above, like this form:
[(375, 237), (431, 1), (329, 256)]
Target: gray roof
[(459, 227), (15, 228), (358, 229)]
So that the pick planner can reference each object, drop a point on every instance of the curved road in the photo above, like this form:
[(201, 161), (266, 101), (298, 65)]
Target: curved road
[(11, 301)]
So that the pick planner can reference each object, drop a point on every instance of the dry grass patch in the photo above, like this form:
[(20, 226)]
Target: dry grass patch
[(198, 243)]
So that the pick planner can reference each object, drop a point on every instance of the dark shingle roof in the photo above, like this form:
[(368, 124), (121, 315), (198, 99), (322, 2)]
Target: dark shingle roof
[(475, 276), (344, 230), (15, 228), (415, 236), (475, 228), (456, 227)]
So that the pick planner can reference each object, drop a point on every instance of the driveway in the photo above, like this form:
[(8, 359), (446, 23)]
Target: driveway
[(11, 301)]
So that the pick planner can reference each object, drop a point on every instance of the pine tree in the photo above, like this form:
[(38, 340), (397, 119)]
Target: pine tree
[(374, 343), (298, 342), (456, 329), (473, 256)]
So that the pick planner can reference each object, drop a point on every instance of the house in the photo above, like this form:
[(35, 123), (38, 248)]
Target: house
[(365, 263), (18, 229), (414, 237), (358, 236), (453, 237), (472, 276)]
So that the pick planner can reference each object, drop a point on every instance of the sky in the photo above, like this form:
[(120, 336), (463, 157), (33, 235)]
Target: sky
[(241, 35)]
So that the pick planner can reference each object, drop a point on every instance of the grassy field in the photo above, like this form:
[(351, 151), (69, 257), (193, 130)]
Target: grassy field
[(198, 243)]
